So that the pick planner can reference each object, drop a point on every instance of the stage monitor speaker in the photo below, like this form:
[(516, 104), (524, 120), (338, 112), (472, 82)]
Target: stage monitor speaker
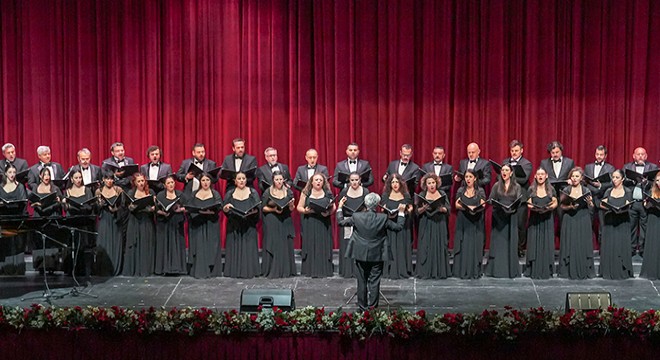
[(588, 300), (251, 299)]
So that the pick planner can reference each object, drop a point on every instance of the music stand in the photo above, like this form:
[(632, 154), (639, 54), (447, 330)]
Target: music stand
[(47, 293), (75, 225)]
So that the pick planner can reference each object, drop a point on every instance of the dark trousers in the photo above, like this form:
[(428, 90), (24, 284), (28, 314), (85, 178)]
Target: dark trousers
[(637, 220), (368, 282)]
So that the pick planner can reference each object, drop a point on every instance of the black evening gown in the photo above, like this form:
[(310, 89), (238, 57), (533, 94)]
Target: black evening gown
[(170, 237), (469, 238), (12, 249), (615, 259), (83, 219), (576, 252), (277, 259), (541, 240), (204, 238), (503, 252), (400, 243), (109, 247), (433, 242), (316, 252), (651, 262), (140, 255), (61, 235), (347, 266), (241, 247)]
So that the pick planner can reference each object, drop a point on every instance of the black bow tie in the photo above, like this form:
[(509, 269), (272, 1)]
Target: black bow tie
[(598, 163), (642, 165), (311, 167), (156, 165), (513, 160), (238, 157), (199, 161), (404, 164), (47, 165), (273, 166), (437, 164), (556, 161), (473, 161), (118, 161), (352, 161), (84, 169)]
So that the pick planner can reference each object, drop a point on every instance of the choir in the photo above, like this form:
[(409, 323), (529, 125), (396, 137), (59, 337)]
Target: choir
[(142, 221)]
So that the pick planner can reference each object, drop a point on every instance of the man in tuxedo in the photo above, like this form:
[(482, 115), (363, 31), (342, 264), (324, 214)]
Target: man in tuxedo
[(198, 159), (475, 163), (638, 215), (593, 170), (439, 167), (115, 162), (516, 158), (56, 170), (90, 172), (9, 152), (557, 166), (265, 172), (405, 167), (239, 161), (305, 172), (368, 246), (155, 169), (353, 164)]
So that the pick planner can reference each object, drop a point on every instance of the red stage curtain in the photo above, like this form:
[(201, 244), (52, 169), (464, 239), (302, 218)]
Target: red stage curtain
[(299, 74)]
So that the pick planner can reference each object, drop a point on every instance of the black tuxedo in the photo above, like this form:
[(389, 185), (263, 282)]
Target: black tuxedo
[(481, 164), (410, 172), (19, 164), (207, 165), (164, 170), (248, 163), (527, 168), (301, 174), (566, 165), (444, 170), (33, 175), (125, 182), (265, 175), (95, 172), (638, 215), (362, 166), (369, 247)]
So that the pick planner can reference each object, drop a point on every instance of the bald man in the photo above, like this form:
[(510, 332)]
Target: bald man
[(305, 172), (475, 163), (637, 212)]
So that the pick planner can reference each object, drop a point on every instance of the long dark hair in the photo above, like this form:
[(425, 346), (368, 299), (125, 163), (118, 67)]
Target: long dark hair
[(388, 184), (534, 187), (498, 188)]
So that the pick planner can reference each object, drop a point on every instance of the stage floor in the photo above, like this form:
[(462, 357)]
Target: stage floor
[(450, 295)]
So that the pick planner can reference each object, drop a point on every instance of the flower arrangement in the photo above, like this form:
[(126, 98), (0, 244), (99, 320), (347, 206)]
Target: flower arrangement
[(509, 324)]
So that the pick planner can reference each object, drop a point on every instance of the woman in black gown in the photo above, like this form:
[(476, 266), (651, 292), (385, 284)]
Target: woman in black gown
[(354, 194), (470, 235), (277, 259), (241, 249), (542, 202), (77, 204), (54, 209), (651, 262), (433, 240), (615, 259), (12, 256), (503, 252), (109, 247), (170, 237), (396, 192), (316, 228), (140, 255), (576, 252), (204, 231)]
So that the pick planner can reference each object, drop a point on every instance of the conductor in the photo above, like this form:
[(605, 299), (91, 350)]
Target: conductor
[(368, 246)]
